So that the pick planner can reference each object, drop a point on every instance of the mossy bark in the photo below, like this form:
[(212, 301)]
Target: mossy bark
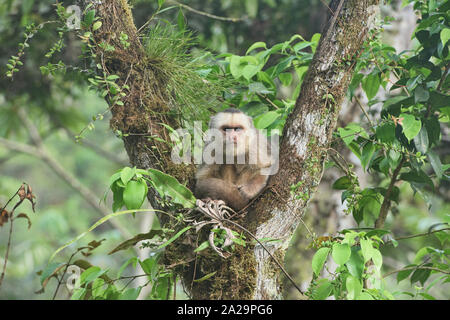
[(250, 273)]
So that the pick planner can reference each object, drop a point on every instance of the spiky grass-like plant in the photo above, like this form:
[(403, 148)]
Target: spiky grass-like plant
[(190, 92)]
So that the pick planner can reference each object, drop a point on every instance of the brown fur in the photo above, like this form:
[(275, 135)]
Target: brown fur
[(236, 184)]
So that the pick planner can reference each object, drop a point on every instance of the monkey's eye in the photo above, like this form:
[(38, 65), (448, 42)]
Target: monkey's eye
[(238, 129)]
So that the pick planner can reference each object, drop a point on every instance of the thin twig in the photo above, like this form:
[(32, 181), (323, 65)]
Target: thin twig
[(415, 268), (387, 198)]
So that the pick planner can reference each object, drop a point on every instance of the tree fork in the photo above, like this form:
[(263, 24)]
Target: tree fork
[(249, 273)]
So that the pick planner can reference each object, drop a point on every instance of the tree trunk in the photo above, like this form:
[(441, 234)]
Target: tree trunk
[(249, 273)]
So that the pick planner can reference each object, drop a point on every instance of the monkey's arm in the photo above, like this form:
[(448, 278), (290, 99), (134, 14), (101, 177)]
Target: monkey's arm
[(215, 188)]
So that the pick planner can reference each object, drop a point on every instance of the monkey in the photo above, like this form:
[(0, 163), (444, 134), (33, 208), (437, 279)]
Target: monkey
[(247, 148)]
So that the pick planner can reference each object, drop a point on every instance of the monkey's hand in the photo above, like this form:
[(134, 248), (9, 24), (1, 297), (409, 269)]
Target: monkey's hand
[(253, 187)]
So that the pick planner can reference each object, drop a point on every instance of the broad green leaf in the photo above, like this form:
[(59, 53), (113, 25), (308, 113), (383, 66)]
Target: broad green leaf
[(343, 183), (421, 275), (354, 287), (445, 35), (367, 153), (249, 71), (266, 119), (341, 253), (134, 194), (96, 25), (421, 94), (435, 163), (322, 289), (167, 185), (78, 294), (91, 274), (50, 270), (126, 174), (411, 126), (89, 18), (365, 296), (355, 264), (421, 141), (285, 78), (377, 258), (130, 294), (370, 85), (235, 66), (319, 259), (402, 275), (256, 45), (258, 87), (366, 249), (386, 132)]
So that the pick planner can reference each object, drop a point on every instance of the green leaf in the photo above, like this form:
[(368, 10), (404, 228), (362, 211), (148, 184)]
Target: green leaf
[(91, 274), (402, 275), (167, 185), (206, 277), (343, 183), (386, 132), (435, 163), (367, 153), (175, 237), (89, 17), (256, 45), (322, 290), (258, 87), (130, 294), (411, 126), (319, 259), (445, 36), (377, 258), (126, 174), (370, 85), (96, 25), (134, 194), (235, 66), (78, 294), (285, 78), (366, 249), (421, 141), (181, 20), (420, 275), (149, 266), (355, 264), (354, 287), (50, 270), (341, 253), (421, 94), (266, 119), (249, 71)]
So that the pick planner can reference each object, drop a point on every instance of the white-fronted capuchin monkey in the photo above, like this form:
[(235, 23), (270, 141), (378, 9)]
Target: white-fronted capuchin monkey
[(236, 163)]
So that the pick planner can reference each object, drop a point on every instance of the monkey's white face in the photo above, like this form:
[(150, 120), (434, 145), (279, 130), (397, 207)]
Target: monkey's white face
[(236, 131)]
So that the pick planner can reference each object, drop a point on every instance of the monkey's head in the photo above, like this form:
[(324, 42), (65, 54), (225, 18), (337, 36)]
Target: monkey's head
[(236, 128)]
